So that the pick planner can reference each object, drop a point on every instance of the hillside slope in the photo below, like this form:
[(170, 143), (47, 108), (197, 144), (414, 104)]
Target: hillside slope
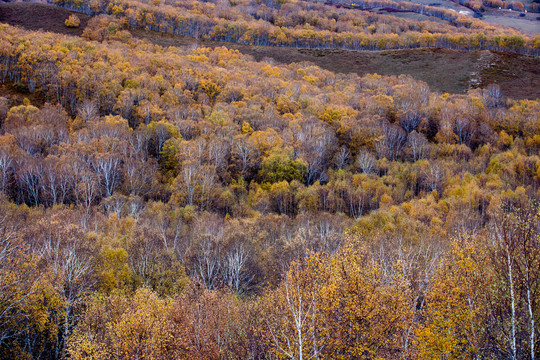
[(443, 70)]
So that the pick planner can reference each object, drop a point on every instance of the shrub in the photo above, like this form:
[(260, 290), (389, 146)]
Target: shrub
[(73, 21)]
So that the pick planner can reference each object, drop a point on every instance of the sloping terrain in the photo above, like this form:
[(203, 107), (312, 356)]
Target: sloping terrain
[(33, 16), (450, 71), (189, 202)]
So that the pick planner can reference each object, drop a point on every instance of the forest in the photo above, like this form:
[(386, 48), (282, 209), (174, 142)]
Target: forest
[(193, 203), (311, 24)]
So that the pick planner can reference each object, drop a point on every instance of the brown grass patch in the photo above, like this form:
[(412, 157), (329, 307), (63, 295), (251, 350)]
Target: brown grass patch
[(33, 16)]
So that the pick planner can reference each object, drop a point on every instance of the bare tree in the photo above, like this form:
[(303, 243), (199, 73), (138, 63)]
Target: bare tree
[(206, 183), (244, 152), (366, 161), (19, 280), (342, 157), (70, 260), (139, 142), (506, 249), (6, 169), (136, 206), (138, 175), (188, 181), (218, 152), (492, 95), (516, 257), (87, 189), (418, 144), (297, 334), (115, 204), (207, 260), (409, 120), (29, 177), (392, 142), (87, 110), (234, 264), (108, 166), (315, 144), (51, 180), (464, 129), (433, 176), (65, 179), (330, 231), (207, 251)]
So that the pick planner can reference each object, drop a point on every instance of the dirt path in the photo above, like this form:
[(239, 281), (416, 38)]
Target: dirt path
[(443, 70)]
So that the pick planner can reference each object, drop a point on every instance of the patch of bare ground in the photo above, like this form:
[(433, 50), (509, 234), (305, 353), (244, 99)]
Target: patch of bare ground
[(526, 22), (34, 16), (443, 70)]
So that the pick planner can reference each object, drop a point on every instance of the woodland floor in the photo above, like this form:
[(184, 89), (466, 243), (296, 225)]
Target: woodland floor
[(443, 70)]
